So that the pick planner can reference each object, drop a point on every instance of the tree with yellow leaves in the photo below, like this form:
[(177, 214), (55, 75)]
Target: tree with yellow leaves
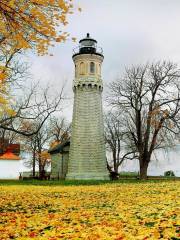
[(28, 25), (33, 24)]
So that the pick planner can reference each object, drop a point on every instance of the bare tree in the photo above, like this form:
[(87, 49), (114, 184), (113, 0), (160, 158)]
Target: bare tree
[(148, 98), (116, 140), (55, 130), (30, 109), (30, 114), (23, 103), (60, 129), (35, 106), (38, 144)]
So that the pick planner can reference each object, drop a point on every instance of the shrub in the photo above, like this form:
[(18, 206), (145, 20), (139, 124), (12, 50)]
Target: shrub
[(169, 173)]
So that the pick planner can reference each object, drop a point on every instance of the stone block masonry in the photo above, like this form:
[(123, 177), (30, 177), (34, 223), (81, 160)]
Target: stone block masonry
[(87, 151)]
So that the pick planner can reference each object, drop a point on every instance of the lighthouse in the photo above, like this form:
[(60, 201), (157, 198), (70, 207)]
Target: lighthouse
[(87, 158)]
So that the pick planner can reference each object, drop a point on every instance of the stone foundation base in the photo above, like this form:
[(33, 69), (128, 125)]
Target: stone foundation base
[(87, 176)]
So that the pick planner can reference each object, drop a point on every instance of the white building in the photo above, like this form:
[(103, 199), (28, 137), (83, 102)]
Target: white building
[(9, 166)]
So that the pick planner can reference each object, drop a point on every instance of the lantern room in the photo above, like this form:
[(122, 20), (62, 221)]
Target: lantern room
[(88, 45)]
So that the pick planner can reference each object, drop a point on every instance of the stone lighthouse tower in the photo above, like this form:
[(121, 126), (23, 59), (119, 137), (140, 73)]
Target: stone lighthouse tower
[(87, 150)]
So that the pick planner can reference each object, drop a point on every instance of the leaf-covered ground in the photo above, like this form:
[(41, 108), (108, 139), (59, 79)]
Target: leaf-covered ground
[(110, 211)]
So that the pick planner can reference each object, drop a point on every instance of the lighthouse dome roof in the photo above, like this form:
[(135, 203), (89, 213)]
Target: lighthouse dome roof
[(88, 45), (87, 40)]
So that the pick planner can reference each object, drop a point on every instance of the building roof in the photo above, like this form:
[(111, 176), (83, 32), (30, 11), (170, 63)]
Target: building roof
[(87, 38), (8, 155), (59, 147), (14, 148), (6, 146)]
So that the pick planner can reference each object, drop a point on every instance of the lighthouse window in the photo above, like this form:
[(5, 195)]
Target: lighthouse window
[(75, 70), (92, 67), (82, 68), (99, 69)]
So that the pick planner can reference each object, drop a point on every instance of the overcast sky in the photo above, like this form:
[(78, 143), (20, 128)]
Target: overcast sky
[(129, 31)]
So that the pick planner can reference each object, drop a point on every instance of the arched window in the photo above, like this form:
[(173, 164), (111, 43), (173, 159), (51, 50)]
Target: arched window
[(92, 67), (99, 69), (75, 70), (82, 68)]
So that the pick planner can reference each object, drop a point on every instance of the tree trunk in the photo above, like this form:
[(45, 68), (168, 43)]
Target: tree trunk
[(116, 168), (40, 171), (41, 168), (143, 169), (34, 163), (115, 162)]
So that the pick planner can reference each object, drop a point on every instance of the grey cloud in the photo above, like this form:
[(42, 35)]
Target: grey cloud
[(130, 32)]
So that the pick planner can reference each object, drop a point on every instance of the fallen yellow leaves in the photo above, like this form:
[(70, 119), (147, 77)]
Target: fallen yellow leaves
[(119, 211)]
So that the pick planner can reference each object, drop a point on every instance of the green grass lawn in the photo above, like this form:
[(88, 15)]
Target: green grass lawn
[(79, 182)]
